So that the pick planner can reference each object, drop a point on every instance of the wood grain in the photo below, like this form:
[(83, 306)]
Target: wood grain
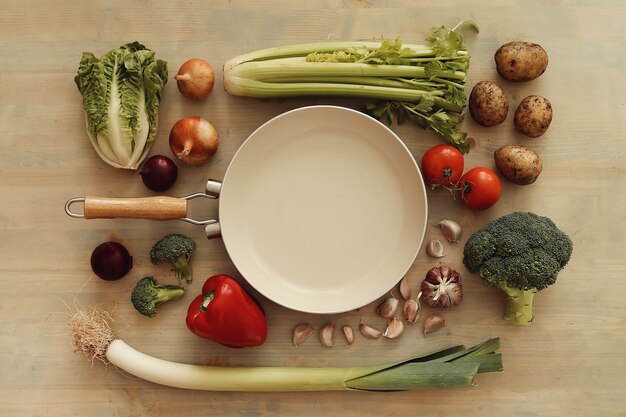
[(570, 362), (147, 208)]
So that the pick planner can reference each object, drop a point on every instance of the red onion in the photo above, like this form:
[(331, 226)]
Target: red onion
[(111, 261), (159, 173)]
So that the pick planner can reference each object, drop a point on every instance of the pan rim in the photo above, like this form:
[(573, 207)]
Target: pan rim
[(228, 238)]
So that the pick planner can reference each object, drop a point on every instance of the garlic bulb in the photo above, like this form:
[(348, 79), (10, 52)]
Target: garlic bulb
[(442, 287)]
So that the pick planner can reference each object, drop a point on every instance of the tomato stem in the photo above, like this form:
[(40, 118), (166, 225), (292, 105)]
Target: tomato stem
[(452, 189)]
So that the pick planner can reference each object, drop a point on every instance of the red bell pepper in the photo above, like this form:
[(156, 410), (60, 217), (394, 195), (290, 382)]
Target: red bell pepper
[(226, 314)]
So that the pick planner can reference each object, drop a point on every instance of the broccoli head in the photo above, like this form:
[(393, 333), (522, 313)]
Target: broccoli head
[(521, 254), (148, 295), (175, 249)]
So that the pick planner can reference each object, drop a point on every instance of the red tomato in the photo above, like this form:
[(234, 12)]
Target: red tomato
[(480, 188), (442, 165)]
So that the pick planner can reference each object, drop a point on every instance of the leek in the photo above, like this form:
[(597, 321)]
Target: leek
[(424, 83), (452, 367)]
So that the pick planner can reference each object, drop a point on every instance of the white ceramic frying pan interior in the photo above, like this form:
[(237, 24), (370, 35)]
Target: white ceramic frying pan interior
[(323, 209)]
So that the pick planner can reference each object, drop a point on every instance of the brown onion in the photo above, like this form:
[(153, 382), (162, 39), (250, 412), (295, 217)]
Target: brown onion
[(193, 140), (442, 287), (195, 79)]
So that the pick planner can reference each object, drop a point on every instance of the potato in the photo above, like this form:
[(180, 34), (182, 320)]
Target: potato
[(488, 104), (521, 61), (518, 164), (533, 116)]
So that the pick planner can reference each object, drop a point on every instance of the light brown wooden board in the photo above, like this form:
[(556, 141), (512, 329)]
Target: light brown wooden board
[(570, 362)]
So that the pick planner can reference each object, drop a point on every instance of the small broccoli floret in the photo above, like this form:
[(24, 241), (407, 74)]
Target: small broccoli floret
[(148, 295), (175, 249), (521, 254)]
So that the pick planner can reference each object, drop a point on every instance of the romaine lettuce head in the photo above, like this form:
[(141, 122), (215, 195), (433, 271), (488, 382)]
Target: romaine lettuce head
[(121, 93)]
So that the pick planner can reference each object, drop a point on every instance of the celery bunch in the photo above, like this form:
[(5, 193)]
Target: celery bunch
[(422, 83)]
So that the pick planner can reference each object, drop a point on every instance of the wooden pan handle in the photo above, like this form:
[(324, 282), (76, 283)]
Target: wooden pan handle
[(151, 208)]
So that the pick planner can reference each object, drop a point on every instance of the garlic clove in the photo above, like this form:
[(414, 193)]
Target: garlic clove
[(395, 327), (388, 307), (433, 323), (451, 230), (301, 333), (411, 310), (326, 335), (369, 332), (405, 289), (348, 333), (435, 249)]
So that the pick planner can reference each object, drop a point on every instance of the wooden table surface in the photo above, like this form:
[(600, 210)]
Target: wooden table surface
[(570, 362)]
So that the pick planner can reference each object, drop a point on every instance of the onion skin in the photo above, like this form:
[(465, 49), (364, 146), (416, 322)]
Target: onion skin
[(195, 79), (193, 140)]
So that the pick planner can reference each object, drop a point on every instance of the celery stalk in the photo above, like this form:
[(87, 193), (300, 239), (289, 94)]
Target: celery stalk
[(434, 89), (261, 89), (422, 83), (298, 67), (308, 48)]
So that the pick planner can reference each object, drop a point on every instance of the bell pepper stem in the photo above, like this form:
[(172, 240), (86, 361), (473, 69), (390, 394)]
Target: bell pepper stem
[(206, 300)]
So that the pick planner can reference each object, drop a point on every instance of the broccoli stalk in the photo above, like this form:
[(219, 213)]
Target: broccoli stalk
[(182, 268), (521, 254), (519, 304), (148, 295), (175, 249)]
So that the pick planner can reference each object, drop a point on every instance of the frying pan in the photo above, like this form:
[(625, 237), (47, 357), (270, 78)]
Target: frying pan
[(322, 209)]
